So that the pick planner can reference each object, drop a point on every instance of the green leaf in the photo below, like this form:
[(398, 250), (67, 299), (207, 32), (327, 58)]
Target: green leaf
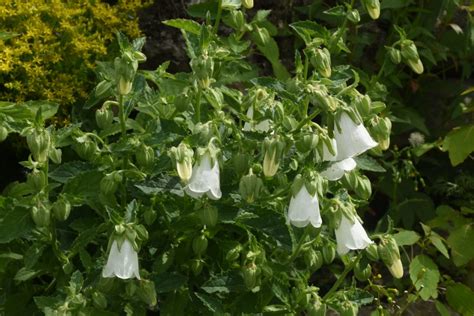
[(425, 276), (69, 170), (189, 26), (367, 163), (438, 242), (458, 240), (308, 30), (461, 298), (212, 303), (25, 274), (442, 309), (15, 222), (406, 237), (168, 282), (459, 143)]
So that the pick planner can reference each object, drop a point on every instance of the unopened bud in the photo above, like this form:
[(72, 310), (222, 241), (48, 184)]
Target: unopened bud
[(145, 156), (183, 156), (273, 151), (39, 142), (109, 183), (321, 60), (313, 259), (104, 117), (200, 245), (248, 4), (250, 274), (353, 16), (196, 266), (41, 215), (395, 55), (124, 86), (250, 187), (329, 253), (390, 255), (61, 209), (373, 8)]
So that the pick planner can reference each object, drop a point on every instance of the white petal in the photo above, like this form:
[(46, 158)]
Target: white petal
[(327, 156), (263, 126), (352, 139), (336, 170), (248, 125), (123, 262), (304, 209), (205, 180), (351, 236)]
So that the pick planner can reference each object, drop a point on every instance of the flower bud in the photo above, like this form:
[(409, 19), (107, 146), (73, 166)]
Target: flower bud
[(313, 259), (41, 215), (200, 245), (102, 88), (250, 187), (371, 252), (329, 253), (139, 56), (317, 308), (362, 271), (37, 180), (373, 8), (233, 253), (348, 308), (183, 156), (273, 151), (150, 216), (353, 16), (203, 67), (196, 266), (87, 149), (321, 60), (124, 86), (104, 117), (208, 216), (145, 156), (147, 292), (39, 142), (3, 133), (55, 154), (416, 65), (241, 163), (409, 50), (307, 142), (250, 274), (390, 255), (61, 208), (395, 55), (262, 37), (248, 4), (109, 183), (363, 105)]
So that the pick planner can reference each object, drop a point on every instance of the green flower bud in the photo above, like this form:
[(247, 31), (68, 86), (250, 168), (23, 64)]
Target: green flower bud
[(150, 216), (208, 216), (250, 187), (329, 253), (102, 88), (241, 163), (3, 133), (200, 245), (409, 50), (373, 8), (41, 215), (233, 253), (353, 16), (363, 105), (415, 65), (348, 308), (321, 60), (313, 259), (395, 55), (39, 142), (37, 180), (124, 86), (196, 266), (109, 183), (362, 271), (99, 300), (147, 292), (55, 154), (262, 37), (183, 156), (390, 255), (139, 56), (248, 4), (203, 67), (307, 142), (371, 252), (104, 117), (62, 209), (87, 150), (273, 151), (250, 274), (237, 20), (145, 156)]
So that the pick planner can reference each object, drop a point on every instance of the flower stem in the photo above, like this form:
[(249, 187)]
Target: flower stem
[(218, 16), (122, 117), (198, 105), (343, 275)]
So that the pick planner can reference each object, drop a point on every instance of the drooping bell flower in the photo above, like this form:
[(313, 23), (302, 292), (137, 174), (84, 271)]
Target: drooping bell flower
[(337, 169), (350, 235), (205, 179), (304, 209), (352, 139), (122, 261)]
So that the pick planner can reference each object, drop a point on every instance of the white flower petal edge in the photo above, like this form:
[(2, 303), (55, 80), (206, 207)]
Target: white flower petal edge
[(205, 179), (352, 139), (122, 263), (336, 170), (351, 236), (304, 209)]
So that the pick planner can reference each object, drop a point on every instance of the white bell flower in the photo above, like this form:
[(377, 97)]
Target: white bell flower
[(122, 262), (352, 140), (304, 209), (336, 170), (263, 126), (205, 179), (351, 236)]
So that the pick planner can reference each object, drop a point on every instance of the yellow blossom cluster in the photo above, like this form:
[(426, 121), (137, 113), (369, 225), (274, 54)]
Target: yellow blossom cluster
[(48, 48)]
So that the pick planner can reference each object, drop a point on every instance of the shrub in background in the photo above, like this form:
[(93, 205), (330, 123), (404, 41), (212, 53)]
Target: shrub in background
[(48, 49)]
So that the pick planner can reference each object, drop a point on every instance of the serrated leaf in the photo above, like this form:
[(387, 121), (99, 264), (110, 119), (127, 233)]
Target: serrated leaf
[(212, 303), (15, 222), (424, 275), (459, 143), (406, 237), (461, 298), (69, 170), (458, 240), (188, 25)]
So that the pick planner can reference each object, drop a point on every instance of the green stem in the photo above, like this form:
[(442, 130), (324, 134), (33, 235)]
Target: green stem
[(218, 16), (306, 120), (198, 105), (299, 246), (342, 277), (122, 117)]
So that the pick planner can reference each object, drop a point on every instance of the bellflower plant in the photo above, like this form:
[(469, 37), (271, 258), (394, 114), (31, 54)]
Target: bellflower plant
[(350, 235)]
